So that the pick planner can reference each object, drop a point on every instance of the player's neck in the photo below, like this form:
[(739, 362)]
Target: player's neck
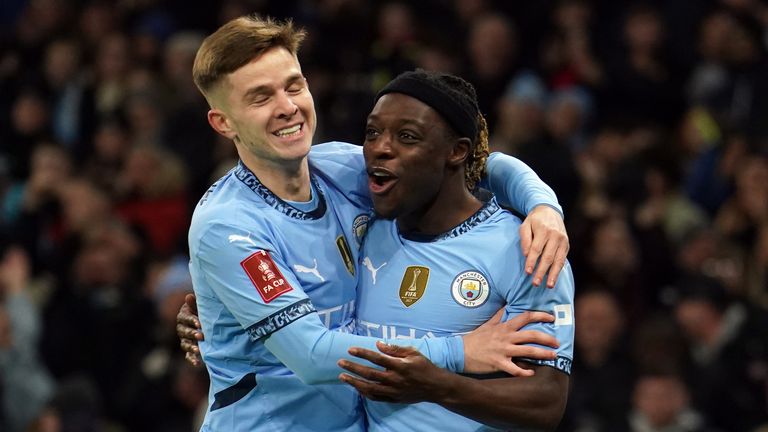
[(453, 205), (288, 180)]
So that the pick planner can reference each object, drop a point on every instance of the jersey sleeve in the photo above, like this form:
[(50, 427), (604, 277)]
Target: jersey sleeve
[(516, 185), (343, 165), (524, 296), (254, 283), (311, 351)]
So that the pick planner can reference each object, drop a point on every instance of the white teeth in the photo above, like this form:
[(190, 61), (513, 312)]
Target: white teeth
[(380, 174), (288, 131)]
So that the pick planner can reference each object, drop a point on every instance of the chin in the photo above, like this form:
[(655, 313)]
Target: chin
[(295, 150), (384, 212)]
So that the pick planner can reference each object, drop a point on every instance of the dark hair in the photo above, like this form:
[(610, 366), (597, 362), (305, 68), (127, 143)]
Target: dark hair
[(456, 101)]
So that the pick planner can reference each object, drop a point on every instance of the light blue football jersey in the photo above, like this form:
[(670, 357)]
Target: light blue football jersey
[(272, 277), (425, 287), (270, 280)]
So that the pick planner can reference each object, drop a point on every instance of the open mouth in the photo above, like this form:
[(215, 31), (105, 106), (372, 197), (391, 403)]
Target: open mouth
[(381, 180), (289, 132)]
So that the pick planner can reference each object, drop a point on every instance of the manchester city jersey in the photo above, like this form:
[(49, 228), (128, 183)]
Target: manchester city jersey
[(271, 279), (425, 287), (262, 249)]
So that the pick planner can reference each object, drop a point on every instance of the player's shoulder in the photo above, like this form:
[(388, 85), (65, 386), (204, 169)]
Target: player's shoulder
[(213, 241), (504, 219), (336, 155), (499, 238), (231, 191), (502, 225), (340, 167), (226, 209), (334, 148)]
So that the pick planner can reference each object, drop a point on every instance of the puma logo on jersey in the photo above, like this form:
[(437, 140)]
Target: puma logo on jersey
[(302, 269), (369, 265), (235, 237)]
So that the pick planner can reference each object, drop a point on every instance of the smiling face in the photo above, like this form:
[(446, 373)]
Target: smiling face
[(266, 108), (407, 155)]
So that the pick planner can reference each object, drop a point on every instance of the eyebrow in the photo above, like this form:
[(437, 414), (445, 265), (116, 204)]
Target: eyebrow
[(402, 122), (294, 78), (265, 89)]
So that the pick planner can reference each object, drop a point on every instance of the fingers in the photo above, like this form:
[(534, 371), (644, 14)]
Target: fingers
[(383, 360), (549, 245), (187, 318), (370, 390), (529, 317), (191, 301), (369, 373), (531, 352), (193, 359), (535, 337), (492, 321), (546, 257), (526, 238), (186, 328), (496, 318), (558, 265), (536, 249), (189, 346), (397, 350), (184, 331), (549, 260), (511, 368)]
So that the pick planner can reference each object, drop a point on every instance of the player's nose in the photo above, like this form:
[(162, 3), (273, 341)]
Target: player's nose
[(381, 147), (286, 107)]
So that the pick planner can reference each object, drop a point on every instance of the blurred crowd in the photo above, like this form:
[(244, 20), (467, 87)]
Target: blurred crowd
[(649, 119)]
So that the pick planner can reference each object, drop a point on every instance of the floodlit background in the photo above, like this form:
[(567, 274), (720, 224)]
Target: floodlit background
[(649, 120)]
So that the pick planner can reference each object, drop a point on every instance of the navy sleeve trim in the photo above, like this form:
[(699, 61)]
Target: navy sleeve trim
[(280, 319), (561, 363)]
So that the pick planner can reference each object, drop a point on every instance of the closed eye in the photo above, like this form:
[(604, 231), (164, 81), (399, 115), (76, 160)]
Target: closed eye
[(259, 100), (295, 89)]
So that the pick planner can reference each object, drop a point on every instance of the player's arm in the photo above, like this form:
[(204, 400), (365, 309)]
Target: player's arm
[(543, 235), (311, 351), (536, 401), (258, 288), (488, 348), (265, 297), (516, 185), (533, 402)]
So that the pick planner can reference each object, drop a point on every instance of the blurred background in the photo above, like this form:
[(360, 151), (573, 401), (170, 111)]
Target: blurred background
[(649, 119)]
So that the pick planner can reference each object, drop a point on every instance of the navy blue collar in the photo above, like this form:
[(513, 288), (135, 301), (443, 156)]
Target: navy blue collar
[(252, 182), (486, 211)]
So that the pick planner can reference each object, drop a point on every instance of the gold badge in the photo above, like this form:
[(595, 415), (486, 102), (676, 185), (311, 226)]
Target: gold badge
[(413, 285), (346, 254)]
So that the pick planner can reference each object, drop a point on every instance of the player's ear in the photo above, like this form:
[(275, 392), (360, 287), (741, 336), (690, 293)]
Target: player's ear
[(220, 123), (460, 152)]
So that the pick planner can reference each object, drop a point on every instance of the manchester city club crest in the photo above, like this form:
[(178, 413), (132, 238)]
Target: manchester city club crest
[(360, 226), (470, 289)]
